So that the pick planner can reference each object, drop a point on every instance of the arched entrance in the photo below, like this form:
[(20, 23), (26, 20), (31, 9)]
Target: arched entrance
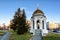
[(38, 24)]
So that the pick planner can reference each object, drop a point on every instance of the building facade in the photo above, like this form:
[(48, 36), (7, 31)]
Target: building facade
[(51, 25)]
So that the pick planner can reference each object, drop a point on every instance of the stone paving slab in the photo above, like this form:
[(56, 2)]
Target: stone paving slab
[(36, 38), (1, 37), (5, 36)]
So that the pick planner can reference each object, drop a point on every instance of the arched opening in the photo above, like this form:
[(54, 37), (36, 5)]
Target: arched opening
[(38, 24), (43, 24)]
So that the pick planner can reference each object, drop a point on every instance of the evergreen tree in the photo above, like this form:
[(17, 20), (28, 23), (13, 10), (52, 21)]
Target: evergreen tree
[(19, 22), (23, 27), (16, 20), (20, 29), (24, 21)]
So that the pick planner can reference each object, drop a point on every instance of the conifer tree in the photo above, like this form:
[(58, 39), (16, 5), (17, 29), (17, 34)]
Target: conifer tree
[(16, 20), (24, 21), (19, 22), (23, 27)]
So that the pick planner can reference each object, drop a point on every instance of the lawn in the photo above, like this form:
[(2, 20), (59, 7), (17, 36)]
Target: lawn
[(27, 36), (2, 33), (14, 36), (52, 36)]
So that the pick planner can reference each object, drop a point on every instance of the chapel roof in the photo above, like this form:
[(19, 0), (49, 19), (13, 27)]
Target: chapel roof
[(38, 11)]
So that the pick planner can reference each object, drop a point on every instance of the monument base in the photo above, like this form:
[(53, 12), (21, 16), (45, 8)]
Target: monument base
[(44, 32)]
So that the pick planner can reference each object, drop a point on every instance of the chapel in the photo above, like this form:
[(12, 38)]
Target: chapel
[(38, 21)]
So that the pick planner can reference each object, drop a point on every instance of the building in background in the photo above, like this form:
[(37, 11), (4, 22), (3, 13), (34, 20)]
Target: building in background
[(59, 25), (51, 25), (56, 26)]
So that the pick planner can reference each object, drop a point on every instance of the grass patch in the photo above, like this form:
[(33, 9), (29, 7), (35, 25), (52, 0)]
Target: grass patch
[(14, 36), (52, 36), (2, 33)]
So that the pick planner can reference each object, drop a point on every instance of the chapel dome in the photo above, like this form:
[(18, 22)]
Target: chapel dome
[(38, 11)]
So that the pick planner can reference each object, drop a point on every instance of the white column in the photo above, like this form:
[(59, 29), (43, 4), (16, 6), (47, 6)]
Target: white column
[(45, 24), (35, 26), (40, 24)]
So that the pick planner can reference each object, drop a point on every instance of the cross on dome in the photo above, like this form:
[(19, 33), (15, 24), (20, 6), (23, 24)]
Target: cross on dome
[(37, 6)]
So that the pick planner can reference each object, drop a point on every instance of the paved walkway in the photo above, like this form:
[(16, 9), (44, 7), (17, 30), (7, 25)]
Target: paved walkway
[(1, 37), (5, 36), (37, 36)]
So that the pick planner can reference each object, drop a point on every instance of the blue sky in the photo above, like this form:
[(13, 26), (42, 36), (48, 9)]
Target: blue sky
[(51, 9)]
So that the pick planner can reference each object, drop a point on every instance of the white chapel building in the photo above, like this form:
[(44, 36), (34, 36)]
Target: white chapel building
[(38, 21)]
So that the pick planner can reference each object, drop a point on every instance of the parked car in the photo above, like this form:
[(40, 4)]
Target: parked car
[(54, 30), (58, 31)]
